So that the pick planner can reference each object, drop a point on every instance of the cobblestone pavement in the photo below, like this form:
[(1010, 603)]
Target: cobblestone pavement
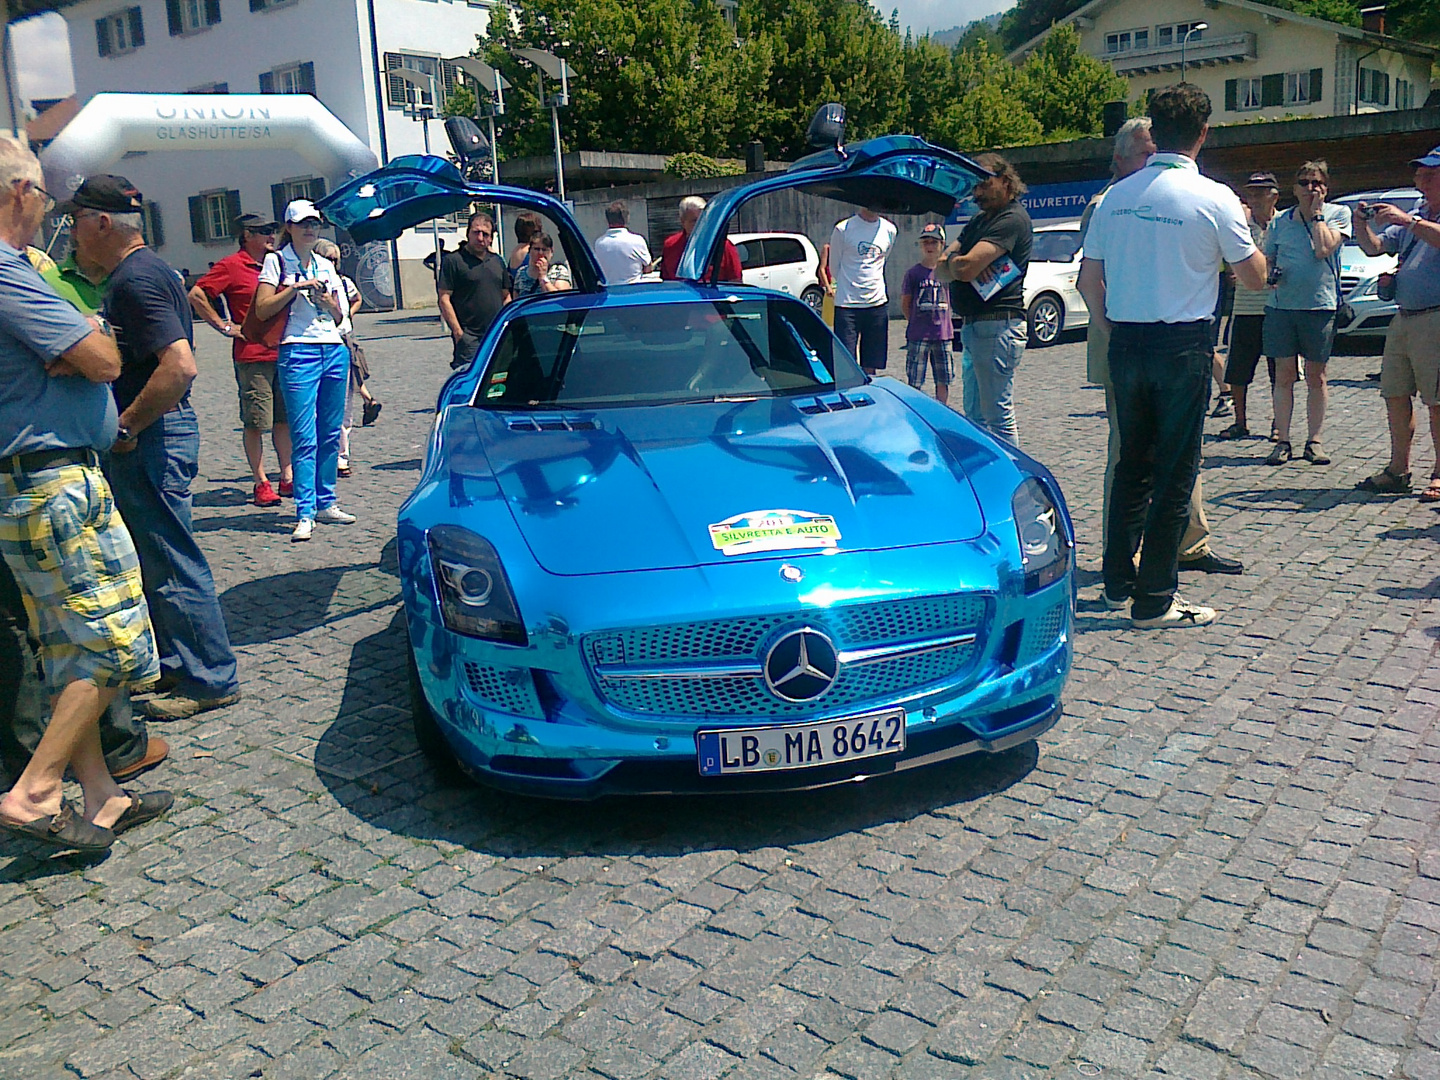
[(1222, 863)]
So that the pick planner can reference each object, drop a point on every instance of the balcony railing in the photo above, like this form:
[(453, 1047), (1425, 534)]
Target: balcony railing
[(1201, 52)]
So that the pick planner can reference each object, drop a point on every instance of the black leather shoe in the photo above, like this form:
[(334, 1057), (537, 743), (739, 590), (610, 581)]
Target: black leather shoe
[(1210, 563)]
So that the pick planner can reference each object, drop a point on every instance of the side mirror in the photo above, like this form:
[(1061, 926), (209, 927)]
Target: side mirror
[(827, 127), (470, 146)]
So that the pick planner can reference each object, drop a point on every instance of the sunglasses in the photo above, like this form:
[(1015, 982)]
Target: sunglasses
[(1311, 183)]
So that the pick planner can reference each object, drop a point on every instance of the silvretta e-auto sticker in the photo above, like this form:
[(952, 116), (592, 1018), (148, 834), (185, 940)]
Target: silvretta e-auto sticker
[(774, 530)]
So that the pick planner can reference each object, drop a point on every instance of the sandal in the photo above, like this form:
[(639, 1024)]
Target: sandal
[(1235, 431), (1432, 490), (1281, 454), (142, 808), (1315, 453), (1386, 482), (65, 830)]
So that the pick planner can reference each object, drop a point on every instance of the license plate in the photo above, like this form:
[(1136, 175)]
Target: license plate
[(800, 746)]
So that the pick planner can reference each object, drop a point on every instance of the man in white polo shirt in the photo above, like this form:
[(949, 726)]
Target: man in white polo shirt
[(622, 254), (1168, 231)]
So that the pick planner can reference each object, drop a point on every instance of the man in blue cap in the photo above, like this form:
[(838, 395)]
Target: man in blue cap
[(1411, 363)]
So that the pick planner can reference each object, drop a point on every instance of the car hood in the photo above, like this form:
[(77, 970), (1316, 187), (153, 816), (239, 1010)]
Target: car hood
[(619, 490)]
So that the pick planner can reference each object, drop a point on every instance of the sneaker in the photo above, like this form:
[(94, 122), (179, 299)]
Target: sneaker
[(265, 495), (1315, 453), (287, 489), (1114, 603), (370, 412), (333, 515), (1180, 614), (343, 470), (177, 706), (1281, 454), (1223, 406), (303, 528)]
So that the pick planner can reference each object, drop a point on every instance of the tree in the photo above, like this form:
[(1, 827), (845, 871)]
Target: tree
[(1066, 89), (985, 108)]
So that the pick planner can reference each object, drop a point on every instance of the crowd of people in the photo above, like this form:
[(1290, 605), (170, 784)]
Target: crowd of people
[(97, 432)]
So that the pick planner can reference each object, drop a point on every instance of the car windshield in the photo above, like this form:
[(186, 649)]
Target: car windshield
[(1059, 246), (664, 354)]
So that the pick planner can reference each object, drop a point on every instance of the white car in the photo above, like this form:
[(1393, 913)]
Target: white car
[(1362, 312), (783, 261), (1052, 304)]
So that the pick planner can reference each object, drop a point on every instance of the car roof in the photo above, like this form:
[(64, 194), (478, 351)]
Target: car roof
[(1381, 195), (1060, 226), (745, 237), (642, 294)]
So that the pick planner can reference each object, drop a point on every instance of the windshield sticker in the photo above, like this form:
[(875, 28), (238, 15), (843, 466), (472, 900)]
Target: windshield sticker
[(774, 530), (499, 376), (495, 391)]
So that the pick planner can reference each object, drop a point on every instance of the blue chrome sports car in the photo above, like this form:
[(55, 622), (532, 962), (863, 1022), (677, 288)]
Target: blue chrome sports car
[(671, 538)]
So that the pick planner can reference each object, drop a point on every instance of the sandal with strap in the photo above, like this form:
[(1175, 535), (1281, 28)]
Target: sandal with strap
[(1432, 490), (67, 829), (1386, 482), (1235, 431)]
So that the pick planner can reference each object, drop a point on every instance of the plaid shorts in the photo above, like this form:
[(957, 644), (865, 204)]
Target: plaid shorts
[(76, 566), (932, 354)]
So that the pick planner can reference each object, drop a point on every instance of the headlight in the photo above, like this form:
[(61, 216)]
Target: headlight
[(475, 595), (1366, 290), (1044, 547)]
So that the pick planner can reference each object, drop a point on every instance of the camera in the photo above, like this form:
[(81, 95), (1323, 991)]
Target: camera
[(1273, 277), (1365, 213), (1385, 287)]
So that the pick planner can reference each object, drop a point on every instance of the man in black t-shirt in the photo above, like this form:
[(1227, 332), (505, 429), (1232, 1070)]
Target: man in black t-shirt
[(987, 268), (157, 449), (474, 285)]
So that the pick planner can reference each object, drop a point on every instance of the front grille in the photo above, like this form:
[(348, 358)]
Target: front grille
[(509, 689), (855, 626), (1041, 633), (1348, 282)]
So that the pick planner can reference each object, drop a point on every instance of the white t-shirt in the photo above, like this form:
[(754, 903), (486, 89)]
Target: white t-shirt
[(623, 255), (857, 259), (1164, 233), (307, 323)]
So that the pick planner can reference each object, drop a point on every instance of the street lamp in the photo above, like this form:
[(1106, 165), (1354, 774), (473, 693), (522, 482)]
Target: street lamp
[(1195, 29), (494, 84), (552, 65), (423, 112)]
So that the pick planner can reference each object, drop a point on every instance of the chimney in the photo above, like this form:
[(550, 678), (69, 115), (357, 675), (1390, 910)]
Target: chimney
[(1372, 18)]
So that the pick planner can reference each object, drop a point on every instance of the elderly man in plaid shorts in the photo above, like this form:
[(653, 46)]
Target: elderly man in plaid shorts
[(60, 535)]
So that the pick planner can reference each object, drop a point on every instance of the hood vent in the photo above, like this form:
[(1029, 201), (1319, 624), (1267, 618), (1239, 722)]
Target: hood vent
[(551, 422), (836, 402)]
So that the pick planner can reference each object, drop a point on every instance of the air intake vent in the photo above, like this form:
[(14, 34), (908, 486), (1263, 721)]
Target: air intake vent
[(551, 422), (836, 402)]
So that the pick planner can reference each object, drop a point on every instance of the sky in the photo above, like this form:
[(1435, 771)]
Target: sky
[(42, 50)]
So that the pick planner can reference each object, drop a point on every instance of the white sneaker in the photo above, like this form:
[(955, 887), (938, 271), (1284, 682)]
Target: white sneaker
[(333, 515), (1181, 614), (1114, 603), (303, 528)]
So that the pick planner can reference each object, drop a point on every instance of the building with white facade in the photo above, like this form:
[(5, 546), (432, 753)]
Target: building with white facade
[(329, 48)]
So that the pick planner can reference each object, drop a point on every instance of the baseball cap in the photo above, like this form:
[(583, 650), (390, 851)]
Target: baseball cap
[(1263, 180), (301, 210), (1431, 159), (253, 222), (933, 231), (112, 194)]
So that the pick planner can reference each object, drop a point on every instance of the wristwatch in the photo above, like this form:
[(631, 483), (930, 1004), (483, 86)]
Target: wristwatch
[(228, 327)]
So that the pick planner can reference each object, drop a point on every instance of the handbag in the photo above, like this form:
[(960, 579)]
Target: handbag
[(267, 332)]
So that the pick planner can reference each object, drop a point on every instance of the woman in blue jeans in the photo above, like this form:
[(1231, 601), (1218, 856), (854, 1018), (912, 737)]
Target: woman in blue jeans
[(314, 366)]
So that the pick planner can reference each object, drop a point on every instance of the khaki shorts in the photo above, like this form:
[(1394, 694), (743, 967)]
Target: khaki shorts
[(1412, 358), (261, 404)]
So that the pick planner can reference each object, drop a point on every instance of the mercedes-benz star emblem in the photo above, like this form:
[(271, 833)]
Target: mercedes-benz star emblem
[(791, 573), (801, 666)]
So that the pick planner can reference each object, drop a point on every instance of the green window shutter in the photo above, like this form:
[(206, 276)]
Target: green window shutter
[(278, 201), (267, 82), (307, 78), (157, 226), (1317, 83), (137, 27), (317, 189), (1272, 90), (102, 37), (212, 12), (197, 219), (1232, 94), (232, 211), (172, 13), (1385, 92)]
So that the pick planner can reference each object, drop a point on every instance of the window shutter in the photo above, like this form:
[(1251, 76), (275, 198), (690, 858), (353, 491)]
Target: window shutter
[(1385, 93), (172, 13), (257, 5), (267, 82), (1232, 94), (212, 12), (1317, 83), (102, 37), (394, 88), (157, 226), (137, 28), (317, 189), (1272, 90), (307, 78), (278, 201), (232, 211), (447, 82), (197, 219)]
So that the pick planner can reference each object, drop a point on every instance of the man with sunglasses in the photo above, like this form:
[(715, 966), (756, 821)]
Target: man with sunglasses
[(473, 286), (262, 408)]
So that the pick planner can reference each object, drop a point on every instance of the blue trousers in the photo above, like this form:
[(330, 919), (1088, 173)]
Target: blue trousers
[(993, 348), (314, 379), (152, 493)]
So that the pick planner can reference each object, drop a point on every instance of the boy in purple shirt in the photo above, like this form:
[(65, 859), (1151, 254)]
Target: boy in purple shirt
[(926, 304)]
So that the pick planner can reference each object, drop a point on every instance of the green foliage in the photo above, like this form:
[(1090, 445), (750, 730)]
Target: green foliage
[(1066, 89), (701, 167), (1030, 17), (460, 102), (1418, 20)]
